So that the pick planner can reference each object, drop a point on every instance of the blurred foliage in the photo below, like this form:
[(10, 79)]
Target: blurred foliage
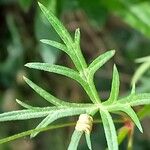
[(123, 25)]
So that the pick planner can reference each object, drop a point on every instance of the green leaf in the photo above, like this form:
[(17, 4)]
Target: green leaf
[(55, 44), (57, 69), (136, 99), (74, 53), (47, 96), (88, 141), (49, 119), (75, 140), (133, 116), (57, 25), (25, 105), (26, 114), (77, 51), (114, 87), (130, 112), (70, 111), (110, 131), (100, 61), (77, 36), (66, 72), (53, 100)]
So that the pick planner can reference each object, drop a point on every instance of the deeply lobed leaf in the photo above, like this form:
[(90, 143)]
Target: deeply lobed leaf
[(57, 25), (72, 48), (27, 106), (85, 78)]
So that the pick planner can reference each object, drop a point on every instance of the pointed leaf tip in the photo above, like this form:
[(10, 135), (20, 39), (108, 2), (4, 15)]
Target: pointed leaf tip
[(131, 113), (115, 68), (25, 79), (77, 30), (40, 4), (100, 61), (113, 51), (18, 101), (27, 65)]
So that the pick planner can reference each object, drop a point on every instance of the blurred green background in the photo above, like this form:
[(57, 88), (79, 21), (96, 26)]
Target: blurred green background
[(123, 25)]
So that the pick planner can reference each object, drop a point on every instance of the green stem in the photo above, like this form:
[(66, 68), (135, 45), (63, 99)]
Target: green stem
[(81, 66), (52, 127), (89, 86), (94, 92)]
